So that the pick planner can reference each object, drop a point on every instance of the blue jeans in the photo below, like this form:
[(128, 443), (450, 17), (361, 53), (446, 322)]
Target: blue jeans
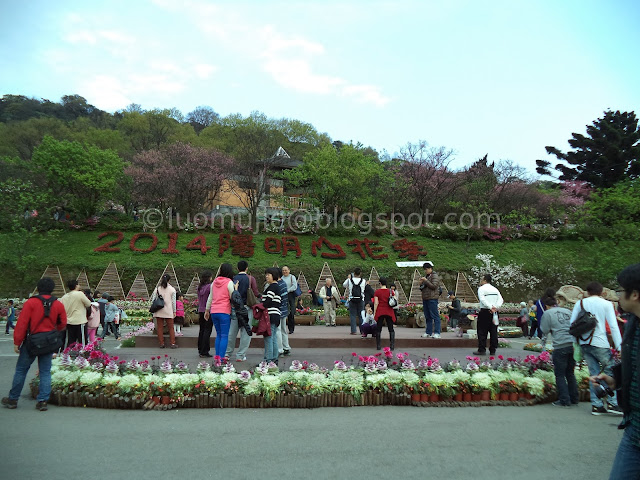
[(9, 325), (355, 307), (431, 316), (245, 339), (222, 322), (595, 357), (271, 345), (627, 461), (22, 368), (563, 366)]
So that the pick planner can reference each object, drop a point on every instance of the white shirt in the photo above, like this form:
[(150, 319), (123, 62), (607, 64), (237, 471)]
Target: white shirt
[(348, 284), (603, 311), (489, 296)]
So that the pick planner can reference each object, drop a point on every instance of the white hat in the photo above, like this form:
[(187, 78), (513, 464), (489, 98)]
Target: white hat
[(427, 264), (523, 304)]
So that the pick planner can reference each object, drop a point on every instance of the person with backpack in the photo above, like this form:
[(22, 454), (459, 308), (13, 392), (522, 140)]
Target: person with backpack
[(595, 347), (355, 285), (111, 312), (41, 314), (430, 289), (11, 317), (166, 314)]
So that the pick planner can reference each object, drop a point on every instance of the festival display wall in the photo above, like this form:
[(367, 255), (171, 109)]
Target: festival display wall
[(139, 287), (110, 282), (54, 273)]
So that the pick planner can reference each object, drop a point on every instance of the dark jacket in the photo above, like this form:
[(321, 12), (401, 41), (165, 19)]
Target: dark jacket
[(455, 311), (624, 372), (368, 294), (431, 287)]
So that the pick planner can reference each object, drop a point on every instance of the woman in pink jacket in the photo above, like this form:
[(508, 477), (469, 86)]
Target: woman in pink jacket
[(219, 307)]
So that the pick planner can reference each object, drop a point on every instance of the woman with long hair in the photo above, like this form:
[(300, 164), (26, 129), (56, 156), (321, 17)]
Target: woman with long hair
[(219, 307), (167, 313), (206, 326)]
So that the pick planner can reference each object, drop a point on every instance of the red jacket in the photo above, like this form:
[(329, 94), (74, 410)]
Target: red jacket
[(261, 314), (31, 316)]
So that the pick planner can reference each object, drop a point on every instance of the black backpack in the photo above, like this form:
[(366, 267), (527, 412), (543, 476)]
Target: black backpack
[(46, 303), (101, 306), (585, 324), (356, 289)]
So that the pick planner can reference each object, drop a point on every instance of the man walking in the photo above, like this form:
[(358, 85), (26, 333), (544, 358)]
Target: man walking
[(40, 314), (556, 320), (430, 289), (595, 346), (490, 302), (355, 286), (292, 286), (330, 297)]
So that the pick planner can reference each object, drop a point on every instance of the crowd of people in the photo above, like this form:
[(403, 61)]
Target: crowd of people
[(231, 303)]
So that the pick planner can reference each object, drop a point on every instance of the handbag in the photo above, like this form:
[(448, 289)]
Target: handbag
[(251, 298), (393, 301), (157, 304), (522, 321)]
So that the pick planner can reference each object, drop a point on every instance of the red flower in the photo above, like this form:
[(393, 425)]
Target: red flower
[(500, 357), (354, 354)]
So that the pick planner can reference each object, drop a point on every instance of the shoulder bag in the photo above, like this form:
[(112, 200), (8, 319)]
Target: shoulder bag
[(157, 304)]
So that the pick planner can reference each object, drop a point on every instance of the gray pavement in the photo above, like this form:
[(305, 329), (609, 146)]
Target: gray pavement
[(540, 442)]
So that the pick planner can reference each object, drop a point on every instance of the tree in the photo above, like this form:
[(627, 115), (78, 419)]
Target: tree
[(609, 153), (201, 117), (425, 170), (257, 159), (338, 179), (80, 175), (179, 175), (617, 207)]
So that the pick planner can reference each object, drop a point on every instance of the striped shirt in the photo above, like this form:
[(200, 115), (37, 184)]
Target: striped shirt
[(271, 300)]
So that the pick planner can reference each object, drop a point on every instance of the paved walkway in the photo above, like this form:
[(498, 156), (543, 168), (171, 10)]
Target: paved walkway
[(539, 442)]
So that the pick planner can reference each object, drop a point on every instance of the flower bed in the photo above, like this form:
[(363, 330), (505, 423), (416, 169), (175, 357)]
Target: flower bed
[(509, 332), (87, 376)]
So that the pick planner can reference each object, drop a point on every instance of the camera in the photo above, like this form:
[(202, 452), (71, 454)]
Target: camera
[(603, 389)]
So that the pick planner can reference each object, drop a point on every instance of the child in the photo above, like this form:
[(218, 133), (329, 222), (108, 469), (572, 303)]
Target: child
[(179, 320), (11, 317), (110, 313), (368, 324), (93, 317), (533, 319)]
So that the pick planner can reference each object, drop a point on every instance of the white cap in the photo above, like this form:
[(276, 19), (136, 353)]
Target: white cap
[(427, 264)]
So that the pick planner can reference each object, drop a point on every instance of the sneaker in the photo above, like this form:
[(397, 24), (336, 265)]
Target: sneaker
[(614, 409), (42, 406), (173, 345), (426, 335), (7, 402), (598, 410), (436, 335), (558, 404), (286, 353), (479, 353), (327, 325), (243, 359), (333, 325)]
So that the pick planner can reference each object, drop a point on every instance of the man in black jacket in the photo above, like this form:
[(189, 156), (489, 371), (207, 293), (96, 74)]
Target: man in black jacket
[(454, 309), (626, 377)]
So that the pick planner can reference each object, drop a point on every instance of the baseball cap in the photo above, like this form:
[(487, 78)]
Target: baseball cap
[(427, 264)]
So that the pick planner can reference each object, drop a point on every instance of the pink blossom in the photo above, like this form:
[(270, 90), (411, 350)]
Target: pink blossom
[(500, 357), (354, 354)]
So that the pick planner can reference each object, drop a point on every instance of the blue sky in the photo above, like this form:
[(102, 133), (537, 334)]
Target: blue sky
[(499, 77)]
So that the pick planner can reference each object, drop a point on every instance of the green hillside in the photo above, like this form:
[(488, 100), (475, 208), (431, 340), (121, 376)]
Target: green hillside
[(553, 262)]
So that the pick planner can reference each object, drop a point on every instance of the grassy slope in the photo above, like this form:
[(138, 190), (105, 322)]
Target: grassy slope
[(73, 251)]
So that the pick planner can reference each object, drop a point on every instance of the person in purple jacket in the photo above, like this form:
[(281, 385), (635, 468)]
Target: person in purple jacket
[(206, 325)]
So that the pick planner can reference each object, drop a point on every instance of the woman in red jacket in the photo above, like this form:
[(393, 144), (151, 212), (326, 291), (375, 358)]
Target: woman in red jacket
[(383, 313)]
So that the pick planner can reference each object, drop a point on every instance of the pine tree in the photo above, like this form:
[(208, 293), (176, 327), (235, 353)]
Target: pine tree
[(609, 153)]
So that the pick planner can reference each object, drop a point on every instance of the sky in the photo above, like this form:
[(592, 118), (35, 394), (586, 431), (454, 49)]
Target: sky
[(503, 78)]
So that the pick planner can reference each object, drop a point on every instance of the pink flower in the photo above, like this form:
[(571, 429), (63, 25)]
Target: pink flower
[(500, 357), (492, 358), (354, 354)]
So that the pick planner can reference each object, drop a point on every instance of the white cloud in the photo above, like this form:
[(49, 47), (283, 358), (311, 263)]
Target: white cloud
[(81, 37), (366, 94), (105, 91), (204, 71)]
